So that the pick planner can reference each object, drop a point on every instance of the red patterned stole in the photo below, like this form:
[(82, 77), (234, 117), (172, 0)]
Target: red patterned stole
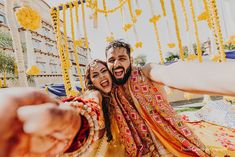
[(150, 108), (134, 133)]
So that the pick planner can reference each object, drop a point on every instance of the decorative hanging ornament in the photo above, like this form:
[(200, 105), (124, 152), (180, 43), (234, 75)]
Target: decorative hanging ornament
[(192, 57), (138, 44), (138, 12), (203, 16), (79, 43), (171, 45), (33, 71), (28, 18), (127, 27), (110, 38)]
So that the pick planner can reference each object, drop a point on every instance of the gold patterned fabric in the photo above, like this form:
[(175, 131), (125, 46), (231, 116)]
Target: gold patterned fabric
[(142, 102)]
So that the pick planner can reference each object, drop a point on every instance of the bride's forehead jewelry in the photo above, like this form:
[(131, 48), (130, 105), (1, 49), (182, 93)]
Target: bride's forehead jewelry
[(94, 65)]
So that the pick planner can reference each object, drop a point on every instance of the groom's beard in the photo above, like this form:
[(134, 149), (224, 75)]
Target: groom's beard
[(123, 80)]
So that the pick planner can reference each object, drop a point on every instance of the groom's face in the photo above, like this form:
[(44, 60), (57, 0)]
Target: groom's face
[(119, 64)]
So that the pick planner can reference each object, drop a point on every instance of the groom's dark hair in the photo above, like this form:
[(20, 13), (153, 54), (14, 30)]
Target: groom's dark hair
[(117, 44)]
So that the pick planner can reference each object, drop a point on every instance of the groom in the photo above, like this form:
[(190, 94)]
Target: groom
[(141, 100)]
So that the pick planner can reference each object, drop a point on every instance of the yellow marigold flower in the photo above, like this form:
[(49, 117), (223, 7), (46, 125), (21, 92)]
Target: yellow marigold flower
[(33, 70), (192, 57), (109, 38), (28, 18), (154, 19), (203, 16), (138, 44), (216, 58), (171, 45), (132, 50), (138, 12), (127, 26), (79, 43)]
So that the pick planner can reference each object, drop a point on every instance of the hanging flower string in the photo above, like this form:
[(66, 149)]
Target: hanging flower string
[(154, 20), (199, 51), (65, 73), (92, 6), (133, 18), (110, 37), (177, 30), (217, 28), (163, 7), (65, 38), (185, 14), (209, 22), (84, 24), (75, 48)]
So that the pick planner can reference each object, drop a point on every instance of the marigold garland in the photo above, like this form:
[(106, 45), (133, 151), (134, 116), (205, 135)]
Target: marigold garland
[(199, 51), (203, 16), (76, 12), (28, 18), (209, 22), (65, 73), (105, 7), (110, 37), (177, 30), (75, 49), (84, 24), (65, 38), (95, 14), (185, 14), (163, 7), (133, 18), (154, 20), (217, 28), (114, 9)]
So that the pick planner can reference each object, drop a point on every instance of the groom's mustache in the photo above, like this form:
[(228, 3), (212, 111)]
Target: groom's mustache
[(119, 67)]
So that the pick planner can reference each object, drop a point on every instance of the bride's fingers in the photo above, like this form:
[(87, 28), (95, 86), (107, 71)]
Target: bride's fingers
[(39, 119)]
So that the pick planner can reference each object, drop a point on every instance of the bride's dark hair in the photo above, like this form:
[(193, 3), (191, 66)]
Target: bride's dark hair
[(106, 101)]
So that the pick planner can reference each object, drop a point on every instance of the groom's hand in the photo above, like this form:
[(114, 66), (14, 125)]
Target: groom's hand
[(33, 124)]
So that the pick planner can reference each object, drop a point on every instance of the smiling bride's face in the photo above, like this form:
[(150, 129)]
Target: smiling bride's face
[(100, 77)]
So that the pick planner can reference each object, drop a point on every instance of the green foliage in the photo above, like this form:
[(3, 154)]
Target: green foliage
[(140, 60), (5, 40), (229, 46), (172, 57), (203, 49), (189, 109), (7, 63)]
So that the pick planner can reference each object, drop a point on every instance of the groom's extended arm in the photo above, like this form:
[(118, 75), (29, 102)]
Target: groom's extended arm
[(207, 77)]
